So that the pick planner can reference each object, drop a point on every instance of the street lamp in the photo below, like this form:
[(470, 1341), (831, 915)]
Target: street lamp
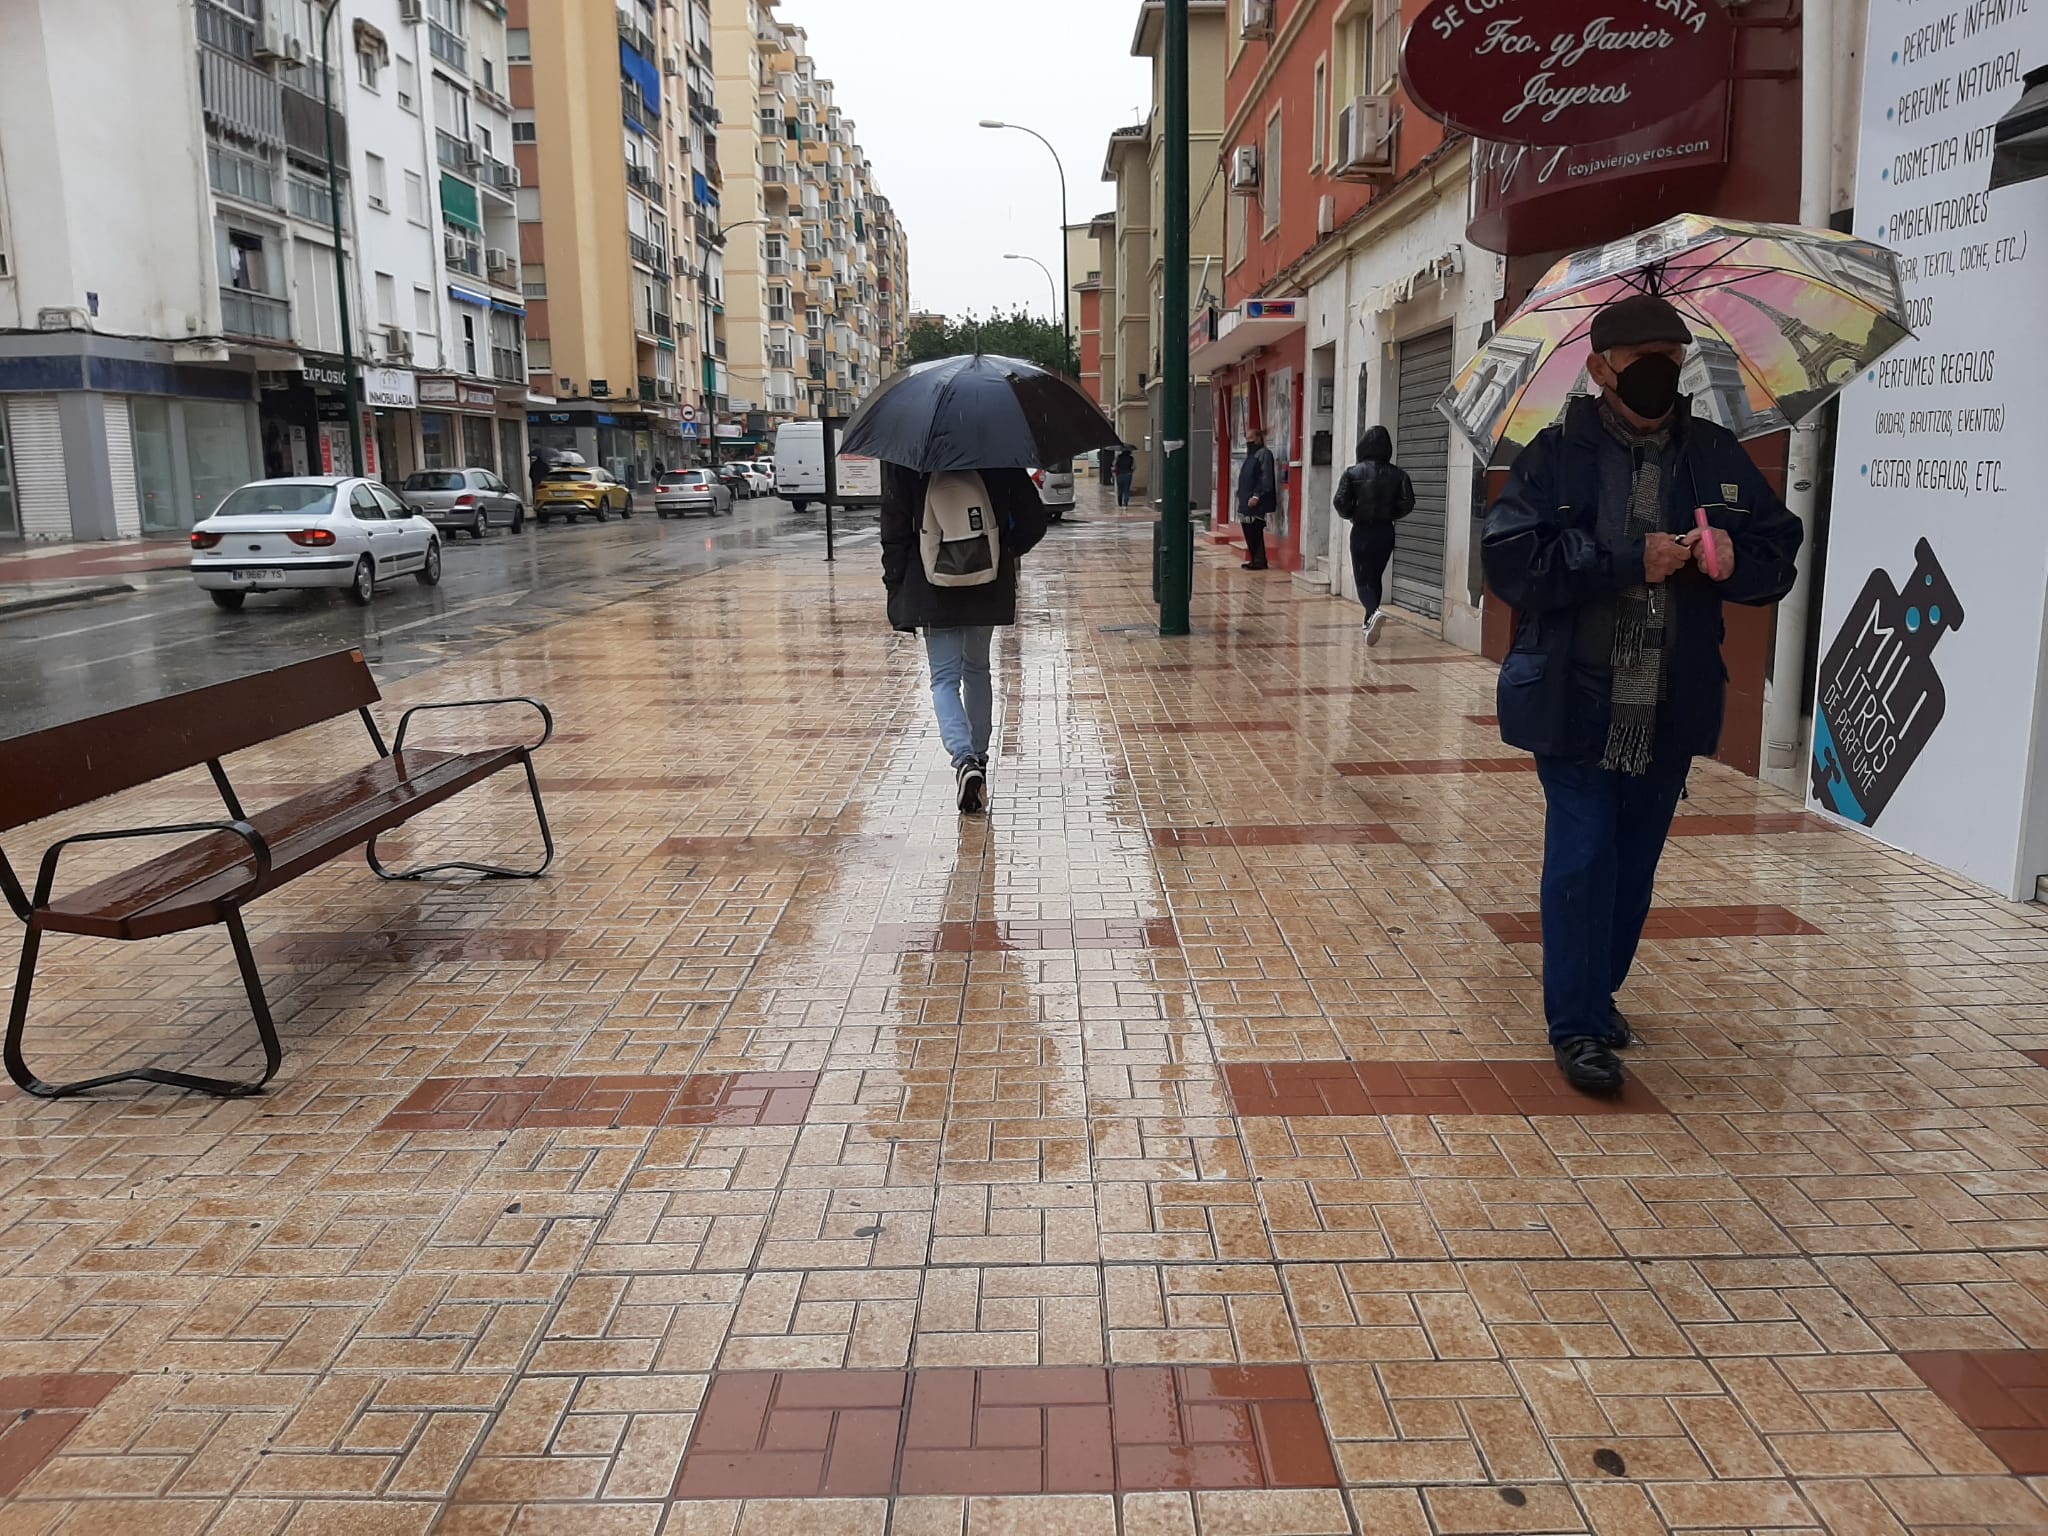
[(1048, 277), (1066, 217), (348, 346)]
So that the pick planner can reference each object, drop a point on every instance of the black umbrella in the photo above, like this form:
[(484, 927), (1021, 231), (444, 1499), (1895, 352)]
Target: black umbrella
[(977, 412)]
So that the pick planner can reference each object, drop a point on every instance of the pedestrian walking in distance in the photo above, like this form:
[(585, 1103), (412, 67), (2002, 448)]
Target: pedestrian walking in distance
[(950, 548), (1615, 680), (1258, 488), (1374, 494), (1126, 467)]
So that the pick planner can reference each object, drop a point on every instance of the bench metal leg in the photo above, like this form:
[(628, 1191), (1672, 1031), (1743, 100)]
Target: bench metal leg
[(266, 1030), (488, 871)]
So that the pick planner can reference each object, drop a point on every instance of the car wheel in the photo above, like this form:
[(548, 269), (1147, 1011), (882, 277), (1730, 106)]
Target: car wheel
[(800, 506), (363, 585), (519, 519), (604, 509), (626, 507), (228, 600), (480, 526), (429, 575)]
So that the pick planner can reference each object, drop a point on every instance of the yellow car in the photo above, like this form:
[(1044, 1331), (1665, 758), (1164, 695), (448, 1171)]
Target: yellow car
[(577, 492)]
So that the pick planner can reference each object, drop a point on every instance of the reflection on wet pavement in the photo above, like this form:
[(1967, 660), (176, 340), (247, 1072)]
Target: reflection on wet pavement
[(1173, 1149)]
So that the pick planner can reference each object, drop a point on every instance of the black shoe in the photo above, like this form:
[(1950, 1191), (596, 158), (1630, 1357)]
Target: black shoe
[(973, 781), (1589, 1065), (1619, 1036), (1256, 565)]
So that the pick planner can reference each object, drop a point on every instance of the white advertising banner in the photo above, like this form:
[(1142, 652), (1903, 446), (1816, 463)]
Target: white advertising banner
[(1927, 708)]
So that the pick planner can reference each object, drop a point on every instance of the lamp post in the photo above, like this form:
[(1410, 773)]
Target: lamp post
[(1048, 277), (1066, 217), (1176, 533), (348, 345)]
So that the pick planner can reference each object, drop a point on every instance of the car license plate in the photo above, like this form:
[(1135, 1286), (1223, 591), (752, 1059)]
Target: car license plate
[(268, 573)]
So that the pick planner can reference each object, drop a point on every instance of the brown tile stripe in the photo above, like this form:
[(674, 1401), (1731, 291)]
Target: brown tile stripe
[(840, 733), (604, 1103), (1437, 765), (1333, 693), (1759, 824), (2038, 1058), (1266, 1090), (1035, 1430), (1203, 727), (412, 946), (1272, 837), (1486, 720), (1429, 661), (39, 1413), (1024, 934), (1674, 923), (2002, 1394)]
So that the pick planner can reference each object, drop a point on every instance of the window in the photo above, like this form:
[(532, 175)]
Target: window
[(387, 299), (416, 197), (469, 345), (518, 45), (238, 175), (369, 65), (1269, 176), (524, 133), (375, 186), (423, 311), (1237, 218), (365, 506), (490, 77), (408, 84), (1318, 146), (483, 138), (1386, 45), (248, 262), (392, 507)]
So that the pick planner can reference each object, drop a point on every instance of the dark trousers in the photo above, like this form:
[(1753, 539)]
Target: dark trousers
[(1123, 489), (1255, 541), (1372, 546), (1602, 840)]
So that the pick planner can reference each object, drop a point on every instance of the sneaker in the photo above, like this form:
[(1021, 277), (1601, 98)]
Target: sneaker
[(1374, 623), (972, 777), (1589, 1065)]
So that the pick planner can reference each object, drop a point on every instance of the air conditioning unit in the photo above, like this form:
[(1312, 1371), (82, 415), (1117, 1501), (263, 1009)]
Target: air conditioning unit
[(1365, 137), (295, 50), (1326, 216), (498, 262), (397, 341), (410, 10), (472, 157), (504, 177), (1255, 18), (1244, 168)]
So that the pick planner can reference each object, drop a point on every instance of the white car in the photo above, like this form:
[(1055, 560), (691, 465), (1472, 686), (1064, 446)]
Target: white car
[(1056, 488), (762, 472), (312, 531)]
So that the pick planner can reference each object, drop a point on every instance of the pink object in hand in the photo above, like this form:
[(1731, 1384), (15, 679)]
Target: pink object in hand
[(1709, 550)]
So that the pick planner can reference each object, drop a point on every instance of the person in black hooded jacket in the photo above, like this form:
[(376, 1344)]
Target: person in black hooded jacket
[(1374, 494)]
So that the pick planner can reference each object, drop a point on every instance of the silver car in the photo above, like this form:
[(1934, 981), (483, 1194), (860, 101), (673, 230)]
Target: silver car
[(683, 491), (471, 501)]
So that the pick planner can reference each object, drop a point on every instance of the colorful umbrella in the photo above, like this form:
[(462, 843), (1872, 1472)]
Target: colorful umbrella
[(1783, 318)]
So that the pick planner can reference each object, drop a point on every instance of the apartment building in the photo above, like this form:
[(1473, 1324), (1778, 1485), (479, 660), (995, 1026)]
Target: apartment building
[(816, 266), (616, 147)]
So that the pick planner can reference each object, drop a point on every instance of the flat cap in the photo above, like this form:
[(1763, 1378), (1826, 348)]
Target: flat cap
[(1638, 321)]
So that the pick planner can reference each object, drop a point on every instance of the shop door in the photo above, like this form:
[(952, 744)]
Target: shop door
[(511, 451), (1422, 446), (1280, 440), (156, 475), (479, 449)]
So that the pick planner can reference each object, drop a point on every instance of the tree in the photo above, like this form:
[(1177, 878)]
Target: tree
[(1017, 334)]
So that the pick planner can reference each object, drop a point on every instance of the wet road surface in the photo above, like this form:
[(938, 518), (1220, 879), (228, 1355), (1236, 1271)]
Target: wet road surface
[(64, 664)]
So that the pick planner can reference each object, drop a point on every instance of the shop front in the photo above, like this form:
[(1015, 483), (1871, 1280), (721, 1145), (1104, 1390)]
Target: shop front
[(1257, 367), (459, 425), (304, 420), (391, 401), (625, 444)]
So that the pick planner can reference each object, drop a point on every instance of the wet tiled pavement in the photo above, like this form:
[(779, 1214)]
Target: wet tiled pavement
[(1172, 1152)]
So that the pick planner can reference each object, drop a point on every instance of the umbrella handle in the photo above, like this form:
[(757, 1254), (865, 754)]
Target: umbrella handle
[(1709, 550)]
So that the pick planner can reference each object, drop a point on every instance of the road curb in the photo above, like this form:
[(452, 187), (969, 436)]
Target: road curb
[(62, 599)]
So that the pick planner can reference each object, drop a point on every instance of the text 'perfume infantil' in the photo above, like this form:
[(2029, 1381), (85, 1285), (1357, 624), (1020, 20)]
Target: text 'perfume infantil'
[(1880, 699)]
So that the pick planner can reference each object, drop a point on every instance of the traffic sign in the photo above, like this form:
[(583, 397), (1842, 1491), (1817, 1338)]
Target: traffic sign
[(689, 429), (689, 413)]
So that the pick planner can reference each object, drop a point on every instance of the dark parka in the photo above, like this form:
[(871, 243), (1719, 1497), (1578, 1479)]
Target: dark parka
[(914, 603), (1544, 557), (1375, 489)]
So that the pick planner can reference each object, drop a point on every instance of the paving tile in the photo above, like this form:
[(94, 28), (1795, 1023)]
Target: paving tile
[(649, 1100), (2000, 1394), (1341, 1088), (1355, 833), (39, 1413), (1676, 924), (1394, 768)]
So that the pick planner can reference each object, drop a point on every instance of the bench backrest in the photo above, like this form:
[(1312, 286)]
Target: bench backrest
[(50, 771)]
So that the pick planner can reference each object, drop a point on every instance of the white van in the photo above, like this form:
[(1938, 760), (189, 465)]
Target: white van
[(800, 469)]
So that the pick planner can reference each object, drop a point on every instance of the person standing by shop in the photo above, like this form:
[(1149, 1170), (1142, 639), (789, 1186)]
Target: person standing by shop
[(1615, 680), (1258, 487), (1374, 494), (1126, 468)]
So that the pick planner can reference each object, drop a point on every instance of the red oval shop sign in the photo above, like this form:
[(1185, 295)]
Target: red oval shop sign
[(1556, 72)]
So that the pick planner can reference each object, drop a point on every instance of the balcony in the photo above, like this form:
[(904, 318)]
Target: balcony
[(497, 175), (664, 326), (243, 313), (240, 100), (646, 252), (462, 254), (636, 111), (455, 154), (305, 128), (447, 47), (647, 389), (643, 181), (634, 36), (508, 366)]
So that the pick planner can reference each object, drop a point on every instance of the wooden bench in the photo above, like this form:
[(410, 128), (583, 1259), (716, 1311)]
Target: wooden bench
[(231, 861)]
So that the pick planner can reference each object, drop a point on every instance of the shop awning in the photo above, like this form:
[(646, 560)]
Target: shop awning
[(458, 203), (1243, 331)]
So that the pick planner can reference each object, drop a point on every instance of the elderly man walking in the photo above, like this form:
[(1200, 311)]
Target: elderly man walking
[(1615, 680)]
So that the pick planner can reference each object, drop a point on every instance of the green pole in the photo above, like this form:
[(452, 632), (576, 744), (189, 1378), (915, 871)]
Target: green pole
[(1177, 534), (348, 341)]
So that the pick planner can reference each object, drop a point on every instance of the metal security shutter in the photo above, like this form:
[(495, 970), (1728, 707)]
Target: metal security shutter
[(121, 467), (41, 487), (1422, 446)]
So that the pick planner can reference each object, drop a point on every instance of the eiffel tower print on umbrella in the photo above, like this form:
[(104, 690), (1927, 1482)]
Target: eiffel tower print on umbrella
[(1785, 316)]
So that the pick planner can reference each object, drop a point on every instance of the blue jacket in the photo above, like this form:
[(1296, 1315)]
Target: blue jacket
[(1256, 477), (1544, 558)]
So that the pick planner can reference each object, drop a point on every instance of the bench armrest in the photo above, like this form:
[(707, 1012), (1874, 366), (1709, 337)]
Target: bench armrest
[(47, 876), (547, 719)]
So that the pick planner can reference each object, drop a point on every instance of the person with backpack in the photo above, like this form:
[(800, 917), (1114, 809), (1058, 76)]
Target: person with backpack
[(950, 549), (1374, 494)]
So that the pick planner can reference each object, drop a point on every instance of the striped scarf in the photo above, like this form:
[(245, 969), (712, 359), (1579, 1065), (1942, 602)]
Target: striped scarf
[(1642, 630)]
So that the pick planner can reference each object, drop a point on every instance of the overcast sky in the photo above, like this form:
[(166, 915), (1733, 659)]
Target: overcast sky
[(916, 76)]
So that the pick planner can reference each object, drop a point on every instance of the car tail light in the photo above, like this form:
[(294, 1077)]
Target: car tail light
[(312, 538), (1038, 478), (204, 540), (465, 501)]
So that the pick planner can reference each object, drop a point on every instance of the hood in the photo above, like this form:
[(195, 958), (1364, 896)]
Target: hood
[(1376, 446)]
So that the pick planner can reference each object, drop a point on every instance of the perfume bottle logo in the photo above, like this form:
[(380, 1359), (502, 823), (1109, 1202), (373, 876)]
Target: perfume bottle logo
[(1880, 698)]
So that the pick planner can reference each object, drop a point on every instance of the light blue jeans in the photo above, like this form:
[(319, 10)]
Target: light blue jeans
[(963, 690)]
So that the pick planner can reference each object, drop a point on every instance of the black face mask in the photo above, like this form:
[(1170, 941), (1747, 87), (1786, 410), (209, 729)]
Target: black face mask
[(1649, 386)]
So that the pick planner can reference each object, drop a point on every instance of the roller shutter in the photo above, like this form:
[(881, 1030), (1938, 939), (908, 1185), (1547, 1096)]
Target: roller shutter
[(1422, 446)]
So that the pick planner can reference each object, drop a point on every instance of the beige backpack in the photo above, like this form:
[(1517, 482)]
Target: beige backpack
[(963, 547)]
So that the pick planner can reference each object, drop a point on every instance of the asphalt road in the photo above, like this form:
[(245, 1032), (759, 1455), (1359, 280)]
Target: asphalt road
[(66, 663)]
